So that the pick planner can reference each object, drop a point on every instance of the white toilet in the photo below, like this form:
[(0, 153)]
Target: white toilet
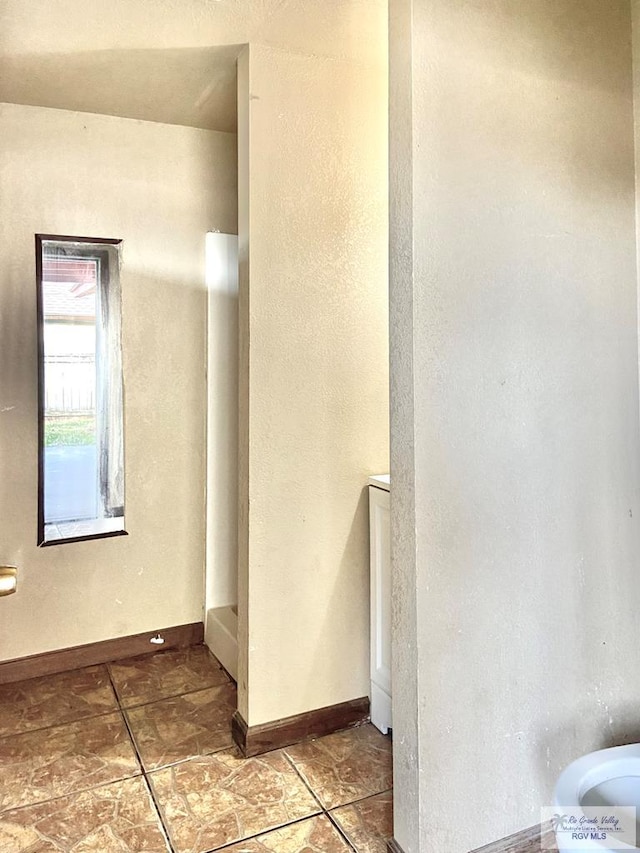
[(606, 778)]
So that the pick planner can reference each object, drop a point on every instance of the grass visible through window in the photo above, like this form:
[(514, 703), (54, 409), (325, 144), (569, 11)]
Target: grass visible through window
[(66, 431)]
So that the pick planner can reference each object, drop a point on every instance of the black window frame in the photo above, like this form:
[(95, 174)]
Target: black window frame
[(103, 462)]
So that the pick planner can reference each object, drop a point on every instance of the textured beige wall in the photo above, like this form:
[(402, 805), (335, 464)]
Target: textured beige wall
[(160, 188), (171, 61), (346, 29), (314, 416), (515, 427)]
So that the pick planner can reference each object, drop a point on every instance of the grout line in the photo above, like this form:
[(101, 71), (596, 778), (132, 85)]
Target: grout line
[(307, 785), (73, 793), (263, 832), (336, 823), (146, 781), (146, 702), (360, 800), (341, 832), (154, 802), (58, 725), (180, 761)]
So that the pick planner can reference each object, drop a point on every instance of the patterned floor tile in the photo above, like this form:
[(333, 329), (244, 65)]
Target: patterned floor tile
[(183, 727), (368, 824), (345, 766), (39, 766), (55, 699), (117, 818), (315, 835), (164, 674), (209, 802)]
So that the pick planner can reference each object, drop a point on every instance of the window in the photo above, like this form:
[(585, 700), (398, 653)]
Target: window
[(81, 454)]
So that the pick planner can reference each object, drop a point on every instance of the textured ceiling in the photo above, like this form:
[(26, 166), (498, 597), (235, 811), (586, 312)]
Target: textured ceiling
[(167, 60)]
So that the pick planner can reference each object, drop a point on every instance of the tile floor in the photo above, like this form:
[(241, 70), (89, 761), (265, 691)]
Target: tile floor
[(137, 757)]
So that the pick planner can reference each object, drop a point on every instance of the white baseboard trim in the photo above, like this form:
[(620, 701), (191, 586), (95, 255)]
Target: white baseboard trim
[(221, 636), (380, 708)]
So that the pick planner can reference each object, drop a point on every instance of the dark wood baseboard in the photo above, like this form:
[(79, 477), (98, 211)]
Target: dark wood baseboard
[(254, 740), (526, 841), (49, 663)]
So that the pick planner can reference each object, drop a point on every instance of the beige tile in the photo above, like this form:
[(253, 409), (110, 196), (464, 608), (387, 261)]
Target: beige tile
[(315, 835), (368, 824), (164, 674), (183, 727), (212, 801), (39, 766), (116, 818), (55, 699), (345, 766)]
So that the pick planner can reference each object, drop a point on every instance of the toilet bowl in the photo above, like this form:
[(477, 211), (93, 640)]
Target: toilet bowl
[(608, 778)]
